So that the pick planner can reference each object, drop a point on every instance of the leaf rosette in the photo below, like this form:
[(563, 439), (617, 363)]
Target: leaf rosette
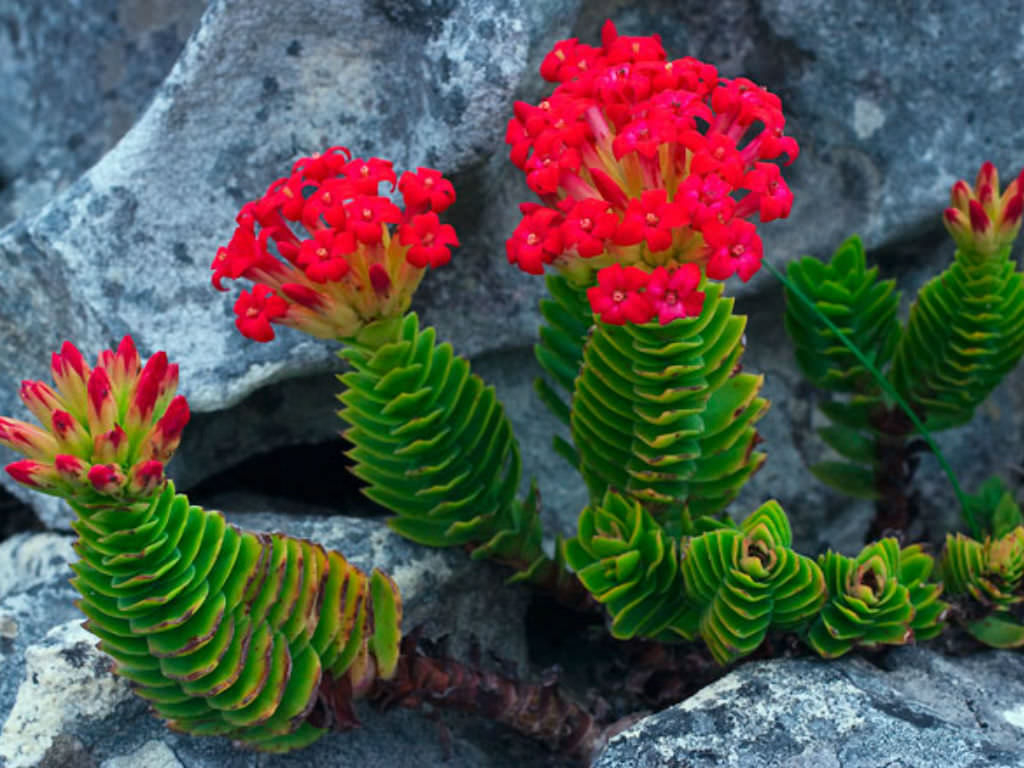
[(991, 572), (741, 583), (881, 597), (630, 564)]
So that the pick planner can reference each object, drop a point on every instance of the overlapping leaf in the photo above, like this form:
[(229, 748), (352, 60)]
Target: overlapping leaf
[(629, 563)]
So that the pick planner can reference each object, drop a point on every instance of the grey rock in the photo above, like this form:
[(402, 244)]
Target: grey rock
[(30, 559), (60, 705), (152, 754), (920, 710), (76, 76)]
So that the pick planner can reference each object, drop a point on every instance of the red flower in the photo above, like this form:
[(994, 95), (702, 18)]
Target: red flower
[(674, 294), (588, 226), (644, 137), (323, 256), (319, 166), (736, 249), (429, 240), (716, 153), (670, 146), (568, 59), (769, 190), (536, 241), (617, 298), (651, 218), (426, 189), (368, 215), (365, 176), (255, 311)]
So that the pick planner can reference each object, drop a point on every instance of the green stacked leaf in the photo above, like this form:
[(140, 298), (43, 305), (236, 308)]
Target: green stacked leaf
[(435, 447), (630, 564), (965, 333), (864, 309), (651, 411), (881, 597), (568, 319), (995, 508), (741, 583), (225, 631), (992, 573)]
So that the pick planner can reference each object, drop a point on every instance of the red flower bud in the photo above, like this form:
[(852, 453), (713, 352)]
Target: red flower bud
[(106, 479), (40, 399), (380, 280), (146, 477), (27, 439), (102, 406), (303, 295), (34, 474), (72, 470), (980, 221)]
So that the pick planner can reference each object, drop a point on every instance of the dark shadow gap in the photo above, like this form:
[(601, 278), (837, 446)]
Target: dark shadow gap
[(16, 517), (316, 474)]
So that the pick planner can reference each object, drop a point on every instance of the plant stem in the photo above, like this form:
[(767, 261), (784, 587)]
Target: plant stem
[(536, 710), (892, 393)]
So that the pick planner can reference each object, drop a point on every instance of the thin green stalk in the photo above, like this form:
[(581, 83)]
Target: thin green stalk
[(892, 393)]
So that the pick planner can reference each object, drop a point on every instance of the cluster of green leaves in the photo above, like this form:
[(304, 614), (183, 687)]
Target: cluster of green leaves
[(225, 631), (990, 573), (731, 585), (964, 333)]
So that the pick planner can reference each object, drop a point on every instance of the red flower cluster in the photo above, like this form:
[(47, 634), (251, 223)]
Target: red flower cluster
[(106, 431), (981, 219), (327, 253), (630, 294), (646, 162)]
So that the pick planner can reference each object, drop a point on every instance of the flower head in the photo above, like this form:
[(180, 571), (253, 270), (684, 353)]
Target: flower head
[(327, 253), (673, 159), (981, 220), (105, 431)]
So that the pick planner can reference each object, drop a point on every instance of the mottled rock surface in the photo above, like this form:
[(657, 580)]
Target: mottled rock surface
[(917, 711)]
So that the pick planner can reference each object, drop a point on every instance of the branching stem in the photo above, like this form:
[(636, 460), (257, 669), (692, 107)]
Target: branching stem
[(892, 393)]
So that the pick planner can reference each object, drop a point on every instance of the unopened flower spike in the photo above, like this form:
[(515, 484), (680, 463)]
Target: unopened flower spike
[(105, 432), (328, 254), (645, 163), (980, 219)]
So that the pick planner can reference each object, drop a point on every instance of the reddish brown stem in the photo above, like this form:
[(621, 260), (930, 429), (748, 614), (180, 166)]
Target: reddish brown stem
[(536, 710), (894, 509)]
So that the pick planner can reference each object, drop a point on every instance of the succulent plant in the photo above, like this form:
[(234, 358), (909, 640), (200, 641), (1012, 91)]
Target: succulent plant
[(741, 583), (880, 597), (630, 564), (992, 573)]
